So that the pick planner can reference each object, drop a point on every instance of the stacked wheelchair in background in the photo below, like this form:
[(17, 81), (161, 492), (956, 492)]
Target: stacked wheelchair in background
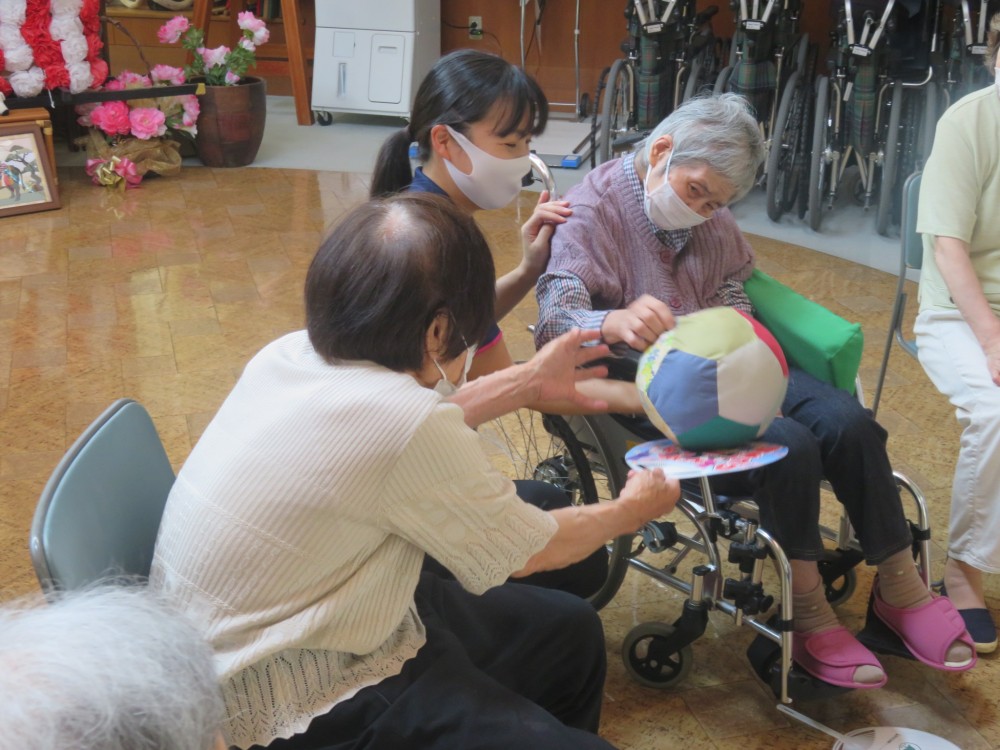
[(856, 124)]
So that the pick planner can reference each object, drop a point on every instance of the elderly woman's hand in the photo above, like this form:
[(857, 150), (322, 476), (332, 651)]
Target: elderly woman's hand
[(536, 233), (651, 493), (552, 374), (639, 324)]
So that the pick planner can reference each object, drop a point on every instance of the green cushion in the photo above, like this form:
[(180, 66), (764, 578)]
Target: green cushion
[(813, 338)]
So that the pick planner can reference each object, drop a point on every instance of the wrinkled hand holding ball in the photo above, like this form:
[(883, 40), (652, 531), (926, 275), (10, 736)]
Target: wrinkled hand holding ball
[(716, 380)]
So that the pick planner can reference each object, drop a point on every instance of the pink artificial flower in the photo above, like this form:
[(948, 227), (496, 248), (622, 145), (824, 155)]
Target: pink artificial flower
[(231, 78), (112, 118), (172, 30), (84, 111), (213, 57), (256, 26), (167, 74), (147, 123), (192, 108), (248, 45), (113, 84), (132, 80)]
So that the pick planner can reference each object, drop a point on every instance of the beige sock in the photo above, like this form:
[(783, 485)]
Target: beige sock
[(900, 585), (813, 614)]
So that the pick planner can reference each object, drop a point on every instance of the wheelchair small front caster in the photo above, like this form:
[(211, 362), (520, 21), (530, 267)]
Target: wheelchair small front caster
[(648, 658)]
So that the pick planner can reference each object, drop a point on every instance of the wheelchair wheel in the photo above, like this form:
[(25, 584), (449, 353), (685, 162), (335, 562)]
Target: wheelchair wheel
[(526, 444), (818, 168), (615, 114), (802, 53), (841, 589), (929, 124), (781, 157), (887, 188), (722, 81), (647, 660), (693, 82)]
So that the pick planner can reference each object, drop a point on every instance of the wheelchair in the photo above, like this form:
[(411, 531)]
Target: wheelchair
[(963, 25), (711, 550), (671, 55), (769, 61), (878, 104)]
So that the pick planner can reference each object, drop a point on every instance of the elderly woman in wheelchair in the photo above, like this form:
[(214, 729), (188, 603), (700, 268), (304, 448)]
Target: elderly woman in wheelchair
[(650, 238)]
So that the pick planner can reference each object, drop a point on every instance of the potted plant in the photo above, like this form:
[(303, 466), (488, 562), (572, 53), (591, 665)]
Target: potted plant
[(234, 105)]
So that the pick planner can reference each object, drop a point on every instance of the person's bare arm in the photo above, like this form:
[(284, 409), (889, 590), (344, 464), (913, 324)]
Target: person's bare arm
[(536, 238), (584, 528), (550, 377), (621, 397), (952, 258)]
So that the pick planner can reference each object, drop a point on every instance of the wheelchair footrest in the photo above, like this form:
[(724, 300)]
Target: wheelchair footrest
[(765, 658), (876, 636)]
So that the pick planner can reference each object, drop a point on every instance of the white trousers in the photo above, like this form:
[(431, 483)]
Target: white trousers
[(956, 365)]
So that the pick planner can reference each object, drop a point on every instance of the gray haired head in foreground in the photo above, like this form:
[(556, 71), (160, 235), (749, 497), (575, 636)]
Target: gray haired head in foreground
[(107, 668), (720, 131)]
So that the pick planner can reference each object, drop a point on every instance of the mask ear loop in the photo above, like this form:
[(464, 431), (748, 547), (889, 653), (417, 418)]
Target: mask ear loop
[(666, 172)]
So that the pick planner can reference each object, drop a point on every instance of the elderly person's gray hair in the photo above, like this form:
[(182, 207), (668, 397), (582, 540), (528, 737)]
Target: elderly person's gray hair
[(718, 131), (108, 668)]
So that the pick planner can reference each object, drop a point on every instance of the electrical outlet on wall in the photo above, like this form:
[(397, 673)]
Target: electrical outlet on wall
[(475, 27)]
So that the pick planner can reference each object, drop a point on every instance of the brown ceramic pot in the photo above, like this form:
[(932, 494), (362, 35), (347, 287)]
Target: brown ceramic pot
[(231, 123)]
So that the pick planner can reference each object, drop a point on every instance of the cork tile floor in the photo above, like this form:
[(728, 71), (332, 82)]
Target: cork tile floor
[(162, 295)]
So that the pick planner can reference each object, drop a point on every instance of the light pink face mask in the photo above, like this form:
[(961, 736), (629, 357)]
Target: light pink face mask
[(665, 208)]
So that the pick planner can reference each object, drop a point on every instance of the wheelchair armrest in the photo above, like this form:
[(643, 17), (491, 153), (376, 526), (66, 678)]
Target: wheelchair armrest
[(813, 338)]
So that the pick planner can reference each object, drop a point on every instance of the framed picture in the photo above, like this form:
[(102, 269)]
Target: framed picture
[(27, 179)]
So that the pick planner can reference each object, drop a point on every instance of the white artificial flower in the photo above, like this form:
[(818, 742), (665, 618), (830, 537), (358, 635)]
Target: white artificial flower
[(66, 7), (18, 58), (64, 27), (28, 82), (80, 77), (12, 12), (74, 49)]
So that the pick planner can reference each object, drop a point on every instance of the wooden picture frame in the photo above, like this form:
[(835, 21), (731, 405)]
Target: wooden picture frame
[(27, 175)]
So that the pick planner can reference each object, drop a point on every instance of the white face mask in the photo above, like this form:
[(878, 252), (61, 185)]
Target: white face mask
[(493, 182), (444, 386), (665, 208)]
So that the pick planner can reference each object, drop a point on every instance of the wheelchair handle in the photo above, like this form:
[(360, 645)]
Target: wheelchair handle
[(705, 16)]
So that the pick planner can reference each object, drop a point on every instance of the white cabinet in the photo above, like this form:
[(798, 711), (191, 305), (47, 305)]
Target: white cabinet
[(372, 54)]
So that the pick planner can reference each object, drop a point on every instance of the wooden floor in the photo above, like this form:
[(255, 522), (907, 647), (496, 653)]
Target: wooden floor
[(164, 293)]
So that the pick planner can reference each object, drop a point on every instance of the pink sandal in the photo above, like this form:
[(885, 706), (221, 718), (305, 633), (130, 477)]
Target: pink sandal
[(928, 630), (833, 656)]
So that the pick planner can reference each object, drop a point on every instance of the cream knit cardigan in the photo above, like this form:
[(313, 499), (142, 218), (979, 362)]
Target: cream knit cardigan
[(296, 531)]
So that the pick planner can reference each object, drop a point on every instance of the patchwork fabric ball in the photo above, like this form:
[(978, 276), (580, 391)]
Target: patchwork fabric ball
[(716, 380)]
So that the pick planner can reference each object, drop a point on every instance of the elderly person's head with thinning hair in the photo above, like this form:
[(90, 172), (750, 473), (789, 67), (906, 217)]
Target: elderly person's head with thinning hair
[(109, 668), (719, 132), (387, 270)]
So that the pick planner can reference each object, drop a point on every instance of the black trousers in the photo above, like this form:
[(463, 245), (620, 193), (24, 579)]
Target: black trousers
[(519, 667)]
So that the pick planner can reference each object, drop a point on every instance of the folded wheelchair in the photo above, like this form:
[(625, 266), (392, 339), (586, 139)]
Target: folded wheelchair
[(711, 549)]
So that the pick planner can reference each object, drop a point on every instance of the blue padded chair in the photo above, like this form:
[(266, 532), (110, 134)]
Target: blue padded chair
[(100, 510), (911, 257)]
